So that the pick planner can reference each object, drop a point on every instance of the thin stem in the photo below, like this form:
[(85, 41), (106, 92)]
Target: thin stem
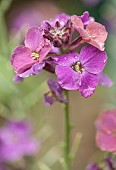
[(67, 134)]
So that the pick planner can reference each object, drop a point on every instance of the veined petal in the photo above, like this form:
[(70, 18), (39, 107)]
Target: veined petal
[(46, 48), (97, 62), (21, 59), (67, 59), (77, 22), (98, 34), (88, 84), (67, 77), (34, 38), (87, 53)]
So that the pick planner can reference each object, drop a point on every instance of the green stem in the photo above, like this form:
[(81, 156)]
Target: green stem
[(67, 135)]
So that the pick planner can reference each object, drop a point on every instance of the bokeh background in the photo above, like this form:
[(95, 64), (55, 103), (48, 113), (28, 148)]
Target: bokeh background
[(25, 100)]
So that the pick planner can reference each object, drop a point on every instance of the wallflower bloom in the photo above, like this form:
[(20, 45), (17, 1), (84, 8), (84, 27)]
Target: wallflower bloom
[(55, 93), (94, 34), (86, 19), (106, 131), (29, 59), (80, 71), (16, 141)]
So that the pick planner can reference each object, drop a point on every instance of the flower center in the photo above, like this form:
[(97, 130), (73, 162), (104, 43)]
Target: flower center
[(35, 55), (78, 67), (57, 31)]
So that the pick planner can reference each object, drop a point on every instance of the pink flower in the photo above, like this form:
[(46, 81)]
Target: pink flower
[(94, 34), (29, 59), (106, 131)]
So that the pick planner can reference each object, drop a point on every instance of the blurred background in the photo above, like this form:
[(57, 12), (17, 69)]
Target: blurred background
[(24, 101)]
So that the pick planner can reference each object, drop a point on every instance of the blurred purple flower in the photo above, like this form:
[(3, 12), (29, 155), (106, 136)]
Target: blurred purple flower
[(86, 19), (104, 80), (29, 59), (55, 93), (93, 166), (106, 131), (16, 141), (80, 71)]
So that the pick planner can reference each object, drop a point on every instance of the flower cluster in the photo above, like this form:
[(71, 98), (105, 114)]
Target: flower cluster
[(53, 47)]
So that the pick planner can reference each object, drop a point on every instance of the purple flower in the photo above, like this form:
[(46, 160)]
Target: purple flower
[(104, 80), (86, 19), (80, 71), (93, 167), (59, 30), (29, 59), (16, 141), (55, 93)]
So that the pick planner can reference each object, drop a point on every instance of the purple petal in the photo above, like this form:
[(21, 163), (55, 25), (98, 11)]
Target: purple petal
[(88, 84), (62, 18), (18, 79), (34, 38), (48, 99), (104, 80), (93, 166), (21, 59), (54, 86), (67, 59), (34, 70), (50, 65), (93, 59), (46, 48), (67, 77), (86, 19)]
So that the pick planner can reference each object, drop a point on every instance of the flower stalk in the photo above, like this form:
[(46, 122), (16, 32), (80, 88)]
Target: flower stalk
[(67, 134)]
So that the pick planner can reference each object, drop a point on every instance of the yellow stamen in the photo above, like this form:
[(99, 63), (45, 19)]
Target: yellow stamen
[(35, 55)]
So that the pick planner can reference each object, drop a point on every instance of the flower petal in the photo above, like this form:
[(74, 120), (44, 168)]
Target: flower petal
[(34, 70), (86, 19), (21, 59), (34, 38), (106, 142), (67, 59), (67, 77), (18, 79), (77, 22), (97, 61), (98, 35), (104, 80), (46, 48), (48, 99), (88, 84), (106, 122)]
